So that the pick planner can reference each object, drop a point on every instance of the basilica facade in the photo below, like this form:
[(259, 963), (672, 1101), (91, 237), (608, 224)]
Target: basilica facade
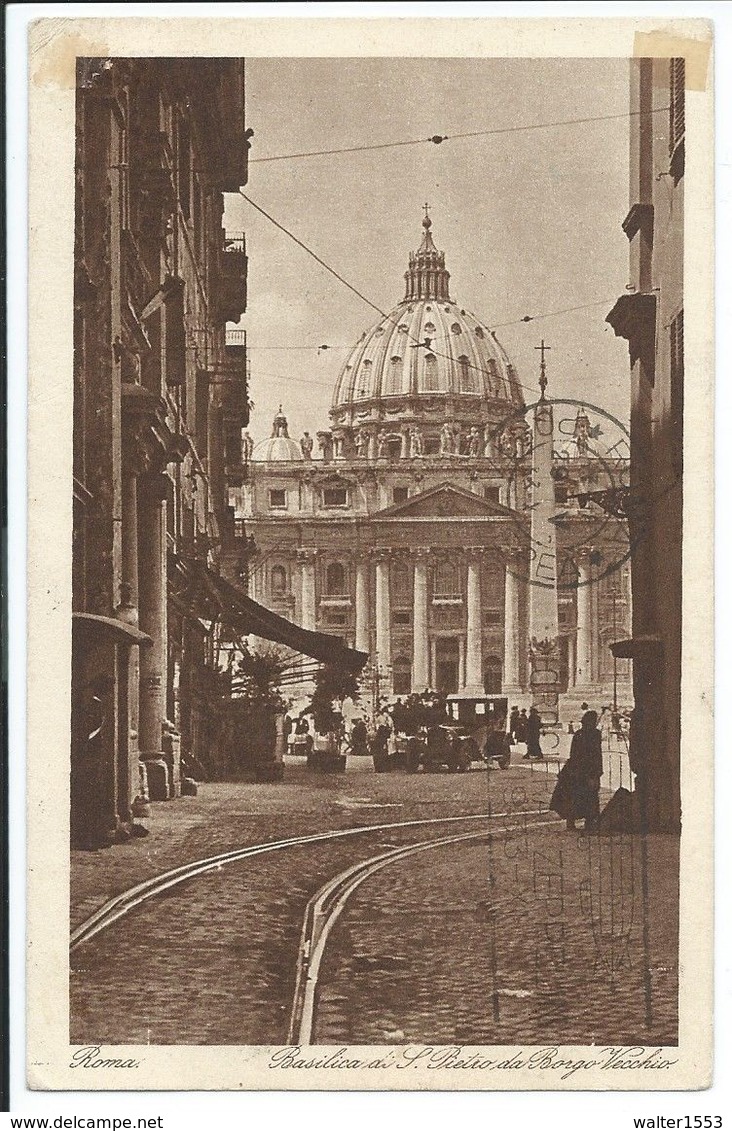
[(406, 528)]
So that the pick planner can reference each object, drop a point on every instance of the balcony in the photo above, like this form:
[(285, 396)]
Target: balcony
[(230, 287)]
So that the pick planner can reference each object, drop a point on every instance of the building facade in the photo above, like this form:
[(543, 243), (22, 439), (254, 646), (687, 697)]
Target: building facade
[(651, 317), (408, 531), (160, 399)]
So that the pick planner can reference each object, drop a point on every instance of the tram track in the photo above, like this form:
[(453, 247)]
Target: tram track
[(326, 906), (122, 904)]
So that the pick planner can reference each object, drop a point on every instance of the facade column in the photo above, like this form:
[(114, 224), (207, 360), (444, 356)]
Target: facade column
[(363, 636), (371, 449), (461, 662), (420, 655), (571, 648), (404, 451), (383, 621), (595, 630), (584, 621), (512, 625), (306, 560), (474, 682), (153, 612)]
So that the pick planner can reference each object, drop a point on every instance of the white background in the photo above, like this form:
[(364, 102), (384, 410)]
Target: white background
[(611, 1111)]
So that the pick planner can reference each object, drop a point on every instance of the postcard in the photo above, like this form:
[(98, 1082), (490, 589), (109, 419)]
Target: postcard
[(370, 554)]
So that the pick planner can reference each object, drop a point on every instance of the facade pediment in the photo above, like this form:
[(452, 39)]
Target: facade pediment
[(445, 501)]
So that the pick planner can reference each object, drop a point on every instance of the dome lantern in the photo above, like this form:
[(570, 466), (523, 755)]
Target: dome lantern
[(426, 357), (426, 276), (279, 448)]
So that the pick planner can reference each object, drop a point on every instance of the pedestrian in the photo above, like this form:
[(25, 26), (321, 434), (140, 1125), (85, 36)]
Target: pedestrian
[(533, 734), (577, 792), (522, 725), (359, 737), (514, 724)]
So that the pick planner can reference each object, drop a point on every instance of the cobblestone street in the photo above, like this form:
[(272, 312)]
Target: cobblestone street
[(428, 950)]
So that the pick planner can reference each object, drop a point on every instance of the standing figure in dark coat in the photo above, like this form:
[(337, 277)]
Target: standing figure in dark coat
[(514, 724), (533, 733), (577, 792)]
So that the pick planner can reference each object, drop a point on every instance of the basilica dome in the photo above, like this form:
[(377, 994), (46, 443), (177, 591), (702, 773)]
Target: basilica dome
[(279, 447), (428, 354)]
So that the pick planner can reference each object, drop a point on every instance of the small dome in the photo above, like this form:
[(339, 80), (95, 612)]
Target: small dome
[(279, 447)]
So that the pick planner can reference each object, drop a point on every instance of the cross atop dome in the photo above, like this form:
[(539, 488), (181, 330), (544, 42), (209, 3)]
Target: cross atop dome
[(426, 276)]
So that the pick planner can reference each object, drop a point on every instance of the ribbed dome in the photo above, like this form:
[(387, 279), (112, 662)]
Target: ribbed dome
[(428, 345), (279, 447)]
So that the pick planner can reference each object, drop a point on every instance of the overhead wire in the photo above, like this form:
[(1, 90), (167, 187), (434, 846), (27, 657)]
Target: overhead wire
[(385, 315), (438, 139)]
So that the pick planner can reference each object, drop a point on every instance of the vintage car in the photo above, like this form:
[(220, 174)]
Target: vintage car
[(478, 723)]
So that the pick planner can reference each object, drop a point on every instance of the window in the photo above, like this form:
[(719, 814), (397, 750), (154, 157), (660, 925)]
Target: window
[(491, 616), (492, 494), (446, 581), (278, 581), (333, 617), (401, 586), (335, 579), (431, 382), (394, 383), (336, 496), (466, 377), (400, 494), (278, 498), (402, 618), (677, 94)]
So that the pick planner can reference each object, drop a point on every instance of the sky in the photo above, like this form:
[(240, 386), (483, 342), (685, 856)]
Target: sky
[(530, 220)]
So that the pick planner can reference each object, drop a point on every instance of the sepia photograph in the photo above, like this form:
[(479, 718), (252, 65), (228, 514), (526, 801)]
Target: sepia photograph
[(378, 557)]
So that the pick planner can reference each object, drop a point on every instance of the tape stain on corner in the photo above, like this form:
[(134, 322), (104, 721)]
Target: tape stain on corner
[(662, 45), (53, 52)]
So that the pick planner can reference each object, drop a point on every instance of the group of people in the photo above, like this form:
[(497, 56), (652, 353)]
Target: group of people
[(527, 728), (576, 794)]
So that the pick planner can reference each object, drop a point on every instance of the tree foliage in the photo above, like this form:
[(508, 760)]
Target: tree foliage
[(331, 684)]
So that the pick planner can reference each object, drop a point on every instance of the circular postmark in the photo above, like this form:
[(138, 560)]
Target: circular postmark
[(575, 518)]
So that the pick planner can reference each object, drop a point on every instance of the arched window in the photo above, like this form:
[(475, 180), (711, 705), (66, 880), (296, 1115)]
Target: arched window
[(335, 579), (364, 380), (431, 382), (278, 580), (446, 580), (394, 384), (466, 375)]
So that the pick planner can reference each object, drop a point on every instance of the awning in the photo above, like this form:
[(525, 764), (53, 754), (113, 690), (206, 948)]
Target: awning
[(119, 632), (224, 601)]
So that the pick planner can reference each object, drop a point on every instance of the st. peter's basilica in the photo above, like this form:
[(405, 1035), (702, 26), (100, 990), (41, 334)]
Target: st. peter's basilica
[(405, 527)]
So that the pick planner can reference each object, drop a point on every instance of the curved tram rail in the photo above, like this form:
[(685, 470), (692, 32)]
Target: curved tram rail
[(325, 908), (122, 904)]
